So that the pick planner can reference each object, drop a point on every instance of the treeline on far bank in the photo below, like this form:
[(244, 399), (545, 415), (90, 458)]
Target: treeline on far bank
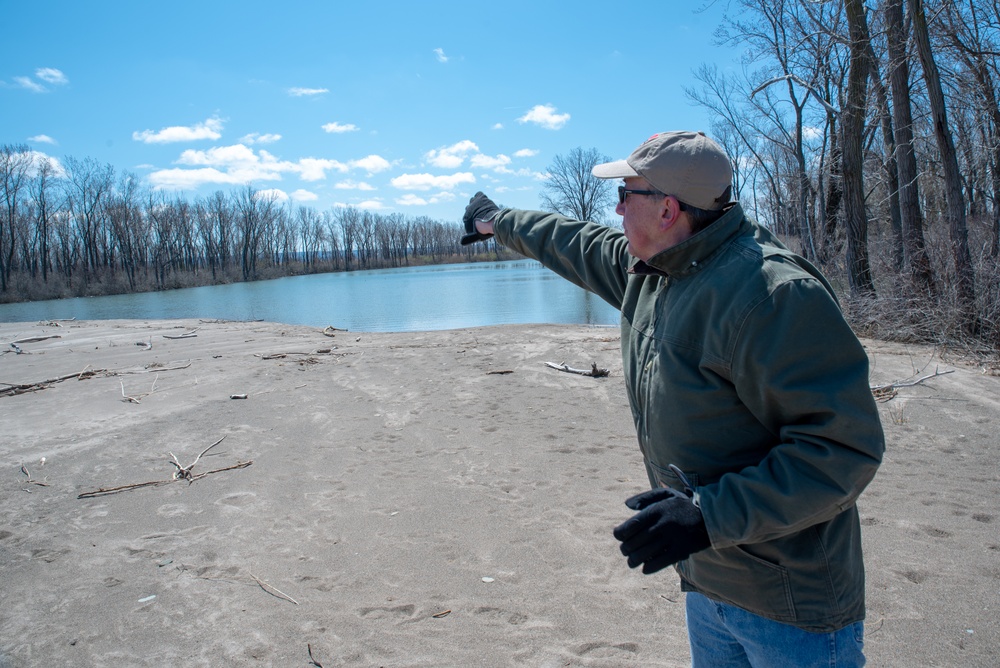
[(79, 229)]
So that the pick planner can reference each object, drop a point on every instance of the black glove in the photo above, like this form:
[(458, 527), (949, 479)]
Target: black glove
[(480, 207), (668, 528)]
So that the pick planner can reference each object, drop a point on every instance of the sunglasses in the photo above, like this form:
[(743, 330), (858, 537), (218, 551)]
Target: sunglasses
[(623, 192)]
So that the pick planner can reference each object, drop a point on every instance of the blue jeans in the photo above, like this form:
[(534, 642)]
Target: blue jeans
[(724, 636)]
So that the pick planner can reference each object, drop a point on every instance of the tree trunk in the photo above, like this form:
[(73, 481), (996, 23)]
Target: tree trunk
[(858, 266), (915, 256), (889, 164), (955, 201)]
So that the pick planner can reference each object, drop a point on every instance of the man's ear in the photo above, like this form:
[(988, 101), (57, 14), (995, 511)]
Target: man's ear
[(670, 212)]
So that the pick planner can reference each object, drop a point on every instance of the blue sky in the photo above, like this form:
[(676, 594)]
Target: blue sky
[(404, 107)]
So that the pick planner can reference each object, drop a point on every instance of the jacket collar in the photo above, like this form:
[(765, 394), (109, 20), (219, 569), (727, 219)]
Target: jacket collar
[(691, 254)]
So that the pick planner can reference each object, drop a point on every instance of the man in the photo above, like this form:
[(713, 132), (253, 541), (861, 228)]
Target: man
[(751, 402)]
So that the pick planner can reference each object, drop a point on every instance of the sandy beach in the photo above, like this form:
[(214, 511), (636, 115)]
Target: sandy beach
[(414, 499)]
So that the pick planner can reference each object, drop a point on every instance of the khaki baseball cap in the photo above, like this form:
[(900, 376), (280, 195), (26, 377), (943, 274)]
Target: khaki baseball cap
[(687, 165)]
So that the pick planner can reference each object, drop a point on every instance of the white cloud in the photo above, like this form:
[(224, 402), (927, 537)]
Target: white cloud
[(189, 179), (525, 153), (440, 55), (546, 116), (373, 204), (314, 169), (48, 75), (430, 181), (498, 126), (238, 164), (42, 139), (258, 138), (339, 128), (372, 164), (488, 162), (228, 156), (353, 185), (306, 92), (273, 193), (35, 160), (409, 199), (51, 75), (210, 129), (301, 195), (29, 84), (450, 157)]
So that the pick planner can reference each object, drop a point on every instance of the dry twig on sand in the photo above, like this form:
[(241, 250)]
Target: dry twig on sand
[(277, 356), (593, 372), (311, 659), (16, 388), (186, 335), (273, 591), (29, 481), (36, 339), (138, 397), (889, 390), (184, 472), (104, 491)]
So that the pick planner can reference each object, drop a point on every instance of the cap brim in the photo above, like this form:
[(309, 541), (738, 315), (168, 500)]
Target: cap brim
[(619, 169)]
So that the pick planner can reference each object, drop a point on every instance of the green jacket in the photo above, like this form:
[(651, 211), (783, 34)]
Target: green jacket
[(742, 372)]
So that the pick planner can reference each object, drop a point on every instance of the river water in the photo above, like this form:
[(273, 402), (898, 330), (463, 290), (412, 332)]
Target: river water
[(385, 300)]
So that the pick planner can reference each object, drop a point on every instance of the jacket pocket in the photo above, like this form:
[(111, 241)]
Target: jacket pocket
[(735, 576)]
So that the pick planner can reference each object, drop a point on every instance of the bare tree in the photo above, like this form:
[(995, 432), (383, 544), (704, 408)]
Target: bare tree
[(911, 218), (42, 197), (88, 183), (975, 38), (15, 163), (965, 283), (858, 266), (573, 190)]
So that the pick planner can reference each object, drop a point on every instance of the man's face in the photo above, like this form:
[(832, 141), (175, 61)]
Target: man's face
[(641, 218)]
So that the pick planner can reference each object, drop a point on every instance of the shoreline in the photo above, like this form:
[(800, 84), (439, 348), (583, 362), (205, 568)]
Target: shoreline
[(416, 498)]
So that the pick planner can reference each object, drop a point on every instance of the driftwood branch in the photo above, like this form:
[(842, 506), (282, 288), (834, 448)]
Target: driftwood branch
[(12, 389), (311, 659), (277, 356), (104, 491), (186, 335), (593, 371), (184, 472), (17, 388), (24, 470), (146, 369), (36, 339), (273, 591), (138, 397), (889, 390)]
